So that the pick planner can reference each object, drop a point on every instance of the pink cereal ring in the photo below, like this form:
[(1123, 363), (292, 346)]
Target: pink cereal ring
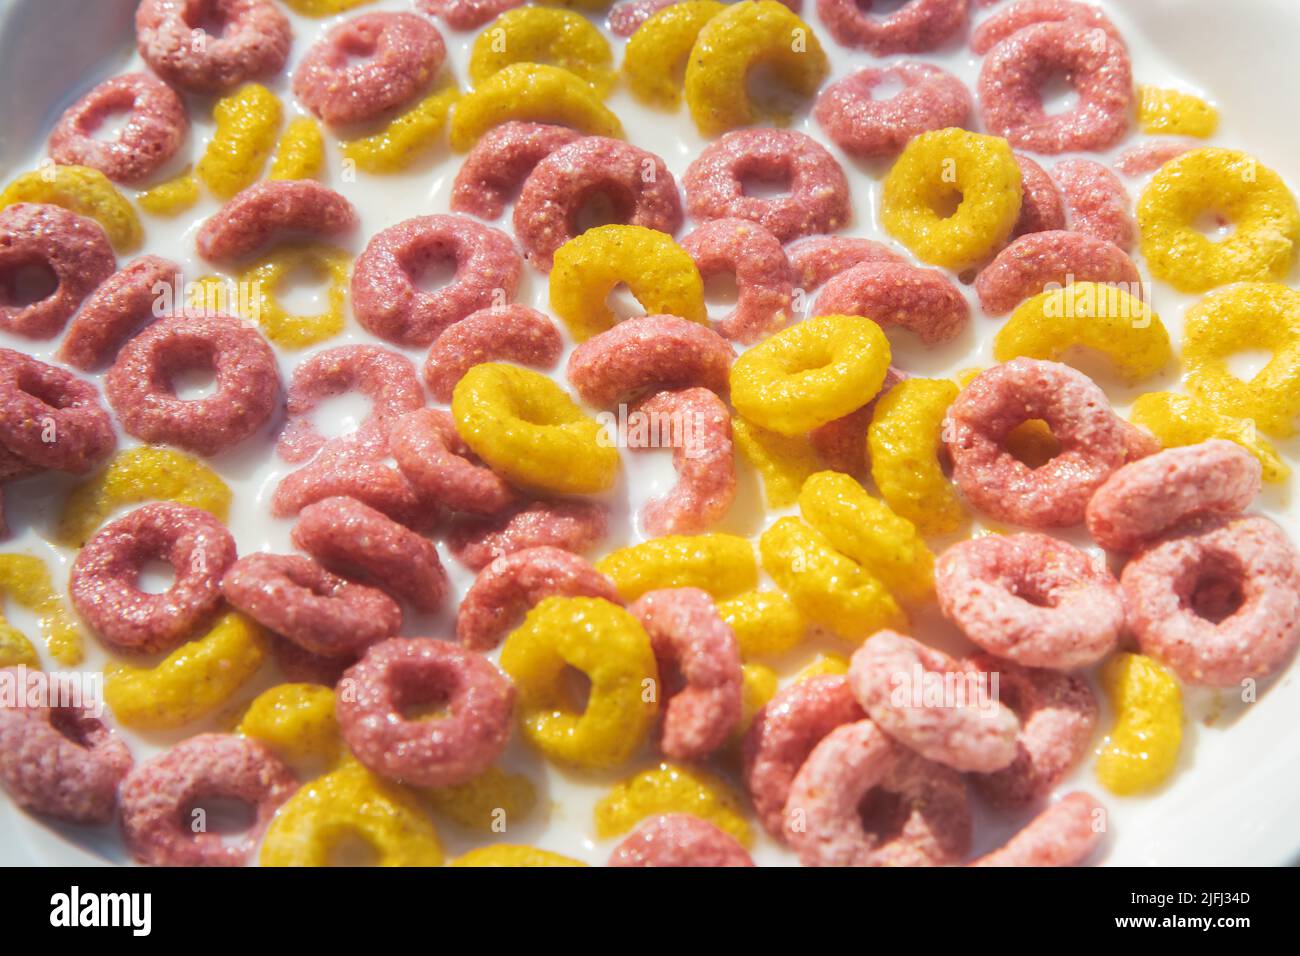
[(510, 333), (1033, 262), (1148, 497), (637, 184), (404, 672), (697, 650), (156, 125), (923, 301), (1092, 438), (212, 45), (1058, 717), (73, 250), (298, 599), (888, 675), (466, 14), (1097, 202), (1148, 157), (499, 163), (817, 199), (353, 467), (258, 215), (441, 467), (49, 418), (1065, 834), (917, 26), (60, 761), (927, 823), (842, 442), (1042, 208), (818, 259), (104, 583), (783, 734), (1026, 13), (357, 541), (702, 457), (507, 588), (124, 302), (864, 126), (1031, 598), (762, 270), (648, 354), (388, 303), (575, 526), (679, 839), (1219, 602), (626, 16), (159, 799)]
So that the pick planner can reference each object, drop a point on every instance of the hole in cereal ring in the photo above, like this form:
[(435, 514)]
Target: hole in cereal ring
[(72, 724), (1248, 363), (883, 814), (416, 702), (602, 208), (206, 15), (623, 303), (304, 289), (217, 813), (721, 292), (575, 690), (27, 284), (1214, 225), (108, 128), (196, 382), (764, 183), (946, 201), (431, 268), (1215, 592), (155, 577), (350, 848), (1058, 94)]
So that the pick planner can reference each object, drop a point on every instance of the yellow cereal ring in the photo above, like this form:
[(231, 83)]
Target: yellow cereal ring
[(172, 197), (669, 788), (84, 191), (490, 802), (945, 167), (531, 91), (301, 153), (1178, 420), (323, 8), (811, 373), (327, 263), (1251, 196), (1100, 317), (406, 137), (526, 428), (830, 588), (1140, 752), (136, 475), (823, 665), (247, 125), (542, 35), (784, 462), (332, 813), (192, 681), (766, 623), (864, 529), (904, 439), (742, 37), (758, 685), (654, 62), (722, 564), (1175, 113), (25, 580), (15, 649), (297, 722), (506, 854), (657, 271), (607, 644), (1251, 315)]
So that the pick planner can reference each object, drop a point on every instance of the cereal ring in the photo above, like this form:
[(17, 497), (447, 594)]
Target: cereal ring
[(533, 92), (123, 303), (905, 439), (938, 168), (1218, 603), (488, 802), (697, 651), (399, 674), (762, 273), (743, 37), (1141, 750), (917, 26), (256, 216), (626, 16), (766, 623), (1026, 13), (1147, 157), (406, 137), (1092, 440), (1095, 63), (1097, 203), (648, 354), (1042, 208), (139, 384), (818, 259), (783, 461), (499, 163), (297, 723), (679, 839), (438, 464), (465, 14), (670, 788), (658, 48), (1145, 499), (25, 580), (509, 333), (298, 599), (247, 126), (514, 583), (248, 39), (530, 432), (541, 34), (156, 126), (386, 299), (300, 153), (104, 580), (71, 250), (864, 126), (172, 196), (1178, 420), (922, 301), (702, 458), (1173, 111), (329, 264), (721, 564), (354, 539), (575, 526), (60, 761), (1030, 598), (607, 644), (16, 649), (1065, 834), (85, 192), (52, 419), (1052, 258), (357, 468), (816, 198), (163, 820), (928, 823), (810, 373), (637, 184), (509, 855)]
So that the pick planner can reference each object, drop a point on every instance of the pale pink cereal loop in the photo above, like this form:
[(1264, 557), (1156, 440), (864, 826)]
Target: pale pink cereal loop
[(511, 333), (125, 302), (250, 41), (1052, 259), (499, 163), (1042, 208), (266, 211), (763, 275), (915, 27), (1026, 13), (818, 259), (864, 126), (576, 526), (923, 301), (1065, 834), (679, 839), (441, 467), (697, 425), (1097, 203)]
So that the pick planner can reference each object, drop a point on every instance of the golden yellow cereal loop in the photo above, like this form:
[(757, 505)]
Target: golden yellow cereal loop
[(1141, 750), (507, 854), (25, 580), (406, 138), (247, 126), (136, 475), (543, 35), (766, 623), (323, 8), (297, 722), (172, 197), (531, 91), (823, 665), (84, 191), (1178, 420), (16, 649), (301, 153), (491, 802), (669, 788), (1175, 113), (654, 62), (903, 442), (326, 263), (783, 462), (721, 564), (744, 36)]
